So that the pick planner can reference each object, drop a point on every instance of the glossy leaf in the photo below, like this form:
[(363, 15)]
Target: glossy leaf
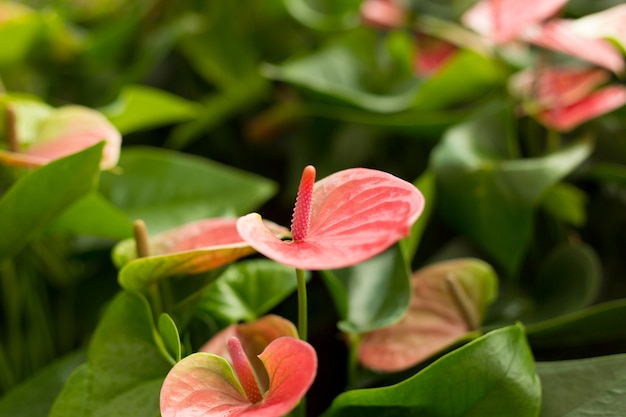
[(141, 107), (93, 215), (124, 368), (377, 291), (448, 302), (343, 14), (583, 387), (170, 336), (247, 290), (205, 383), (491, 375), (35, 200), (355, 215), (167, 189), (487, 195)]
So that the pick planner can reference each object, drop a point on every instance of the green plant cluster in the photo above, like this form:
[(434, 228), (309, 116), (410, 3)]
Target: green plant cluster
[(220, 104)]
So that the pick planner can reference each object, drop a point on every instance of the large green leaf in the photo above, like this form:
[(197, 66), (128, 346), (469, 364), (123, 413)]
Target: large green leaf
[(372, 294), (167, 189), (43, 194), (328, 15), (93, 215), (350, 69), (584, 387), (490, 197), (124, 369), (247, 290), (34, 397), (490, 376), (140, 107)]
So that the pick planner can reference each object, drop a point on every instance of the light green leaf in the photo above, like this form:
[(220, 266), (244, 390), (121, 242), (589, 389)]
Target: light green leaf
[(567, 203), (491, 376), (248, 290), (170, 337), (426, 184), (21, 25), (39, 197), (333, 15), (141, 107)]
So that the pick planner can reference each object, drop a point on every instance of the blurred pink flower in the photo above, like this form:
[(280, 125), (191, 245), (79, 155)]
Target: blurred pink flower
[(502, 21), (607, 24), (264, 372), (65, 131), (344, 219), (563, 98), (432, 54), (383, 14)]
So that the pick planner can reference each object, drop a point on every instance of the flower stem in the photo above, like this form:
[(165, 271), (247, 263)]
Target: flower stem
[(302, 305)]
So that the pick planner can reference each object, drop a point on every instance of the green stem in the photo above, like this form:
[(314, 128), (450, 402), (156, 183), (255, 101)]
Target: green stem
[(554, 141), (302, 305), (353, 359)]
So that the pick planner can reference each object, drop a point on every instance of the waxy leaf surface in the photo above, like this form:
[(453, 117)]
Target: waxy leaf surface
[(448, 302), (490, 376)]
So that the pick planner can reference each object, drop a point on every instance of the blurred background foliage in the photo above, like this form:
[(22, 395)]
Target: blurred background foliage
[(237, 97)]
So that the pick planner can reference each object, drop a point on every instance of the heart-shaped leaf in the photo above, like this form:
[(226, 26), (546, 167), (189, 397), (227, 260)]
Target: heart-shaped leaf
[(487, 195), (448, 301), (37, 198), (492, 375)]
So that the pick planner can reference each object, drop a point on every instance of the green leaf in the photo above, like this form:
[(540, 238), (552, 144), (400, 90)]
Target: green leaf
[(568, 280), (343, 14), (426, 184), (93, 215), (600, 323), (584, 387), (170, 337), (567, 203), (43, 194), (349, 69), (140, 107), (22, 26), (167, 188), (29, 111), (493, 375), (124, 369), (490, 197), (248, 290), (378, 291), (34, 397)]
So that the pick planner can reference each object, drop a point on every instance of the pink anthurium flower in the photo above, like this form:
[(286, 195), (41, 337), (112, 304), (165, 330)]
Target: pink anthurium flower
[(607, 24), (501, 21), (345, 218), (65, 131), (563, 98), (193, 248), (383, 14), (448, 303), (265, 374), (561, 36), (432, 54)]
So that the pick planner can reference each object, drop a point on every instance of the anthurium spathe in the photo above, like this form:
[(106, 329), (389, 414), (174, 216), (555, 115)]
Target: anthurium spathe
[(448, 302), (383, 14), (65, 131), (339, 221), (244, 382), (563, 98), (502, 21), (192, 248)]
